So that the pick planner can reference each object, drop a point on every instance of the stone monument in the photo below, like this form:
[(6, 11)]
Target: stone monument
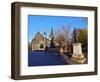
[(78, 56)]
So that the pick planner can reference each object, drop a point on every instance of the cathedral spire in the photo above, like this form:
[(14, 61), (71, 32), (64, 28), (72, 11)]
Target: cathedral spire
[(51, 34), (52, 44)]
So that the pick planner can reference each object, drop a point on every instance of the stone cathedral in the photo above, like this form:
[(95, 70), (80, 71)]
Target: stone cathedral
[(40, 41)]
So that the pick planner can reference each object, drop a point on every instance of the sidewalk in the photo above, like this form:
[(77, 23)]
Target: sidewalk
[(65, 58)]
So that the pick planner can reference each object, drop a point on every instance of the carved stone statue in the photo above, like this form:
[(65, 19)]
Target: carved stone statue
[(75, 35), (77, 57)]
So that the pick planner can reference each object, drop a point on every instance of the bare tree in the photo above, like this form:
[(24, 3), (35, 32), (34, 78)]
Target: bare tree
[(63, 35)]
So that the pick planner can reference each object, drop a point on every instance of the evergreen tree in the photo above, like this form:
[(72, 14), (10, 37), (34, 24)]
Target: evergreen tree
[(52, 45), (41, 46)]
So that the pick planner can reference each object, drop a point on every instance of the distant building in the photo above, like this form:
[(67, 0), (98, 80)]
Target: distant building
[(40, 42)]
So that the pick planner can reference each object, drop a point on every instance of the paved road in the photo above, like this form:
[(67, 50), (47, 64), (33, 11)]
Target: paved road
[(45, 59)]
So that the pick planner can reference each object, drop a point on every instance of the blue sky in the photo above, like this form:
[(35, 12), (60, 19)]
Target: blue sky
[(43, 24)]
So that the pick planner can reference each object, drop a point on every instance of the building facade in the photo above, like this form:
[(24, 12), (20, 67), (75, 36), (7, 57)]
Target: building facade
[(40, 42)]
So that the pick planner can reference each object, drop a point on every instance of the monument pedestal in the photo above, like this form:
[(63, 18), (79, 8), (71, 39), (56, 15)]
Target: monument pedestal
[(78, 56)]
